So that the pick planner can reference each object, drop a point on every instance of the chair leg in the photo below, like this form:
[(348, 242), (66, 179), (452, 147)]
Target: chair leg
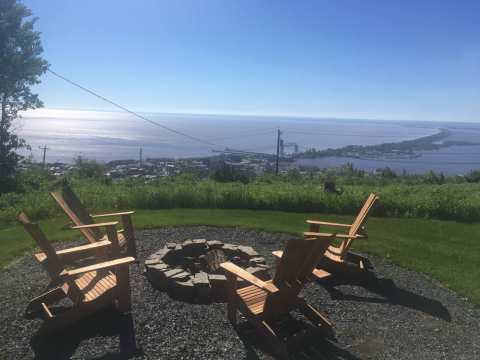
[(232, 313), (278, 346), (129, 235), (313, 314), (124, 302), (47, 298), (232, 298)]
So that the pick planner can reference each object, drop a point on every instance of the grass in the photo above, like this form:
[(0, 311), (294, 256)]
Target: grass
[(449, 201), (447, 251)]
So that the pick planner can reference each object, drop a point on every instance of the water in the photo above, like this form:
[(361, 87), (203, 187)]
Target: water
[(106, 136)]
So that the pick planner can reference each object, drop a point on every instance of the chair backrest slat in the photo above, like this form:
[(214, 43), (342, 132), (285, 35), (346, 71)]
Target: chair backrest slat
[(74, 209), (362, 215), (299, 259), (53, 263), (55, 266)]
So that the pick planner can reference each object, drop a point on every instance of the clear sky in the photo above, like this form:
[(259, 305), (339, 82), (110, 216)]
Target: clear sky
[(385, 59)]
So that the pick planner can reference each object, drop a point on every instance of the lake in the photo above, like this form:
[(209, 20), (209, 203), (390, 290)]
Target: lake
[(106, 136)]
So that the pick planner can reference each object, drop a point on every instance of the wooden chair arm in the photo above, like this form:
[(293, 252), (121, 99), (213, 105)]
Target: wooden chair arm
[(245, 275), (315, 222), (317, 234), (278, 254), (88, 226), (338, 236), (100, 266), (84, 248), (113, 214)]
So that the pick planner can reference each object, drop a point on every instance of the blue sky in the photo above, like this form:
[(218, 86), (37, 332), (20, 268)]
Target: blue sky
[(389, 59)]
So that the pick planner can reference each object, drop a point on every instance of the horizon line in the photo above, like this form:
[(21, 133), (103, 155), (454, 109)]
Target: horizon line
[(241, 114)]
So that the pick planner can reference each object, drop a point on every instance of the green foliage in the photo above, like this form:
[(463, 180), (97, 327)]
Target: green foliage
[(387, 173), (20, 67), (33, 178), (85, 168), (224, 172), (452, 201), (473, 176), (434, 178)]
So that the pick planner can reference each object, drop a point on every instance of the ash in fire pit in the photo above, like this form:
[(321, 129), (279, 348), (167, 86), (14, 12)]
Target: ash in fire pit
[(213, 259), (191, 271)]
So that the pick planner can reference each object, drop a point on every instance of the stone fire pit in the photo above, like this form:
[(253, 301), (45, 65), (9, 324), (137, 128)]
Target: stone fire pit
[(191, 271)]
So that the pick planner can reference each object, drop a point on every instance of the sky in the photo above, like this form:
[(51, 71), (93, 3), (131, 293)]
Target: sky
[(395, 59)]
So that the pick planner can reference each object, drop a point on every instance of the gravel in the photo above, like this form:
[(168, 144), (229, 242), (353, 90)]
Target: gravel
[(401, 315)]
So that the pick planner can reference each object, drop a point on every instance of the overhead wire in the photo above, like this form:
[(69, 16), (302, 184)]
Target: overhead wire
[(206, 142), (213, 144)]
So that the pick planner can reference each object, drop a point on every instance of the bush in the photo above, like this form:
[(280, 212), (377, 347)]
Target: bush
[(85, 168), (410, 197), (473, 176)]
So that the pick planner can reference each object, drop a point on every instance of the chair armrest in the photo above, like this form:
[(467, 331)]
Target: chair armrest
[(337, 236), (317, 234), (278, 253), (100, 266), (315, 222), (113, 214), (88, 226), (84, 248), (245, 275)]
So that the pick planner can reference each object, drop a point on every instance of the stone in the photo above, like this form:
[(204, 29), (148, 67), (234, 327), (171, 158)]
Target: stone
[(157, 277), (218, 283), (257, 260), (201, 278), (162, 253), (173, 254), (214, 244), (230, 249), (200, 241), (263, 266), (217, 279), (172, 272), (195, 247), (152, 260), (202, 286), (187, 243), (259, 272), (161, 266), (186, 269), (181, 276), (198, 266), (183, 290), (248, 251)]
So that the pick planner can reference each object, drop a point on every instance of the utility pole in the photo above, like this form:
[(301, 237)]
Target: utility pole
[(44, 148), (278, 151), (141, 157)]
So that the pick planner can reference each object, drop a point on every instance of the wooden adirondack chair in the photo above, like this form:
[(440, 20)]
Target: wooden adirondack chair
[(89, 288), (336, 257), (80, 216), (263, 302)]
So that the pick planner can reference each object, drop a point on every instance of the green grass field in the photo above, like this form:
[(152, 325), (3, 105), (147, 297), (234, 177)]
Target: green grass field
[(447, 251)]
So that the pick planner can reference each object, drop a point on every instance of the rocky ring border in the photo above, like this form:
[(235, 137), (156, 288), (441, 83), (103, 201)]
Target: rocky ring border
[(200, 287)]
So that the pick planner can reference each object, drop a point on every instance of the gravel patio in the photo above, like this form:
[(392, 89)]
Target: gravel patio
[(400, 315)]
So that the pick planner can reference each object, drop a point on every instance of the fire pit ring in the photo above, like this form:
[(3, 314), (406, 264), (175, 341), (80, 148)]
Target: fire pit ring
[(191, 271)]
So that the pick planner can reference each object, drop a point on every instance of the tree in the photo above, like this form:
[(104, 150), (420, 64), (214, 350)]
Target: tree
[(88, 168), (20, 67)]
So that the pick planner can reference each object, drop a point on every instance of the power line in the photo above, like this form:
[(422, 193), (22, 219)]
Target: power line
[(91, 92)]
